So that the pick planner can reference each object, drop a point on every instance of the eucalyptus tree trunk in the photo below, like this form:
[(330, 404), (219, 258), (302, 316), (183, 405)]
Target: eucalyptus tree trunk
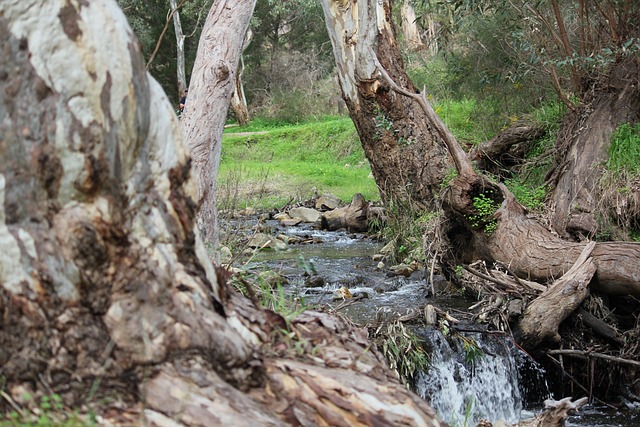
[(104, 282), (407, 157), (410, 26), (177, 25), (212, 84), (239, 100)]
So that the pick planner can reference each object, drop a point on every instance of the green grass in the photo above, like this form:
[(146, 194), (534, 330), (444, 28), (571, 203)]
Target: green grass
[(295, 161), (624, 153)]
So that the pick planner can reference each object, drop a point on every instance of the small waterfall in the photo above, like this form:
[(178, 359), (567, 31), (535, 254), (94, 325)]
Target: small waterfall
[(465, 385)]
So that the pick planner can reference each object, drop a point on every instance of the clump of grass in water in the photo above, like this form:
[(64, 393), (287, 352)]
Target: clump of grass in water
[(403, 351)]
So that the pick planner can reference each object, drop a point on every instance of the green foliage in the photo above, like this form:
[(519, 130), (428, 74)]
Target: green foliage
[(50, 413), (405, 226), (289, 63), (624, 152), (147, 19), (276, 300), (404, 352), (472, 351), (530, 197), (484, 207)]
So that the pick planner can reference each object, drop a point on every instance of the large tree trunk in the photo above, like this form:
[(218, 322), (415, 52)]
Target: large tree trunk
[(583, 149), (103, 278), (407, 158), (212, 84)]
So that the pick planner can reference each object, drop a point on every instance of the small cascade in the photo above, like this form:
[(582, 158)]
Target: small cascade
[(473, 379)]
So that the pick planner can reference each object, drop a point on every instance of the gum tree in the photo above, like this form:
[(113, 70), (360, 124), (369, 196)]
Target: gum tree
[(105, 286)]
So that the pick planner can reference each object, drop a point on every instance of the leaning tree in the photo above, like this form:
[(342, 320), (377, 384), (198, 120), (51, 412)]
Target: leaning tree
[(105, 286), (213, 82), (405, 142)]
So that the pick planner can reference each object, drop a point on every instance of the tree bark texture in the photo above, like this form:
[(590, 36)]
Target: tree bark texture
[(361, 34), (103, 278), (212, 84), (506, 149), (543, 316), (407, 157), (583, 149)]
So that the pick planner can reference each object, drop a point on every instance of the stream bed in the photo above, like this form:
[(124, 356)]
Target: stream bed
[(504, 383)]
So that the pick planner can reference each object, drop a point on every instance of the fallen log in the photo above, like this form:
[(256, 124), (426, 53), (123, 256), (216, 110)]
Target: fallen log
[(544, 315), (555, 413), (506, 149)]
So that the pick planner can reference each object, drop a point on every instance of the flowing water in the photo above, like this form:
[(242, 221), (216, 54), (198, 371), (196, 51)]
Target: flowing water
[(500, 382)]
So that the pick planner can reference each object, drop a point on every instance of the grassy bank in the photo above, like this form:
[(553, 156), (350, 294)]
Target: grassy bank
[(265, 164)]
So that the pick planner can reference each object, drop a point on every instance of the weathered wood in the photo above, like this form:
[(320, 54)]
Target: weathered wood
[(407, 159), (506, 149), (555, 413), (352, 217), (544, 315), (589, 354)]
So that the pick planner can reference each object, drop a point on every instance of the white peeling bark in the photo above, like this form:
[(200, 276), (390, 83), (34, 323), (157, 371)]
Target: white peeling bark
[(181, 73), (102, 275), (212, 84), (410, 26), (406, 158), (97, 204)]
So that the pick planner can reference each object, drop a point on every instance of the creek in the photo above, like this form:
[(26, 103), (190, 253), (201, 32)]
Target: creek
[(500, 382)]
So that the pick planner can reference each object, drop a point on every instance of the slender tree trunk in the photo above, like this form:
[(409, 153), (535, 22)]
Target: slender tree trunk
[(212, 84), (177, 25), (410, 26), (407, 157), (239, 100)]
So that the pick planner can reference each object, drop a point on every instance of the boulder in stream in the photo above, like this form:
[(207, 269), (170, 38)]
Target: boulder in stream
[(305, 214), (328, 202)]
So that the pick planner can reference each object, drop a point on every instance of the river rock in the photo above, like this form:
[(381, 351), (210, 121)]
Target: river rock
[(225, 255), (377, 257), (259, 240), (314, 282), (262, 240), (401, 270), (389, 248), (305, 214), (247, 211), (327, 202), (281, 216)]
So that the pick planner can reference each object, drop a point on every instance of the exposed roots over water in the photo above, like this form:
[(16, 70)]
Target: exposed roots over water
[(597, 351)]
